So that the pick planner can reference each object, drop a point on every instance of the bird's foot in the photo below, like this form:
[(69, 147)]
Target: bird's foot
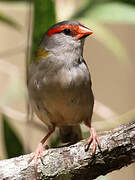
[(38, 154), (93, 138), (39, 151)]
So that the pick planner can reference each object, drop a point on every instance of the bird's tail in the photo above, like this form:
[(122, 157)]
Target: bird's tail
[(70, 134)]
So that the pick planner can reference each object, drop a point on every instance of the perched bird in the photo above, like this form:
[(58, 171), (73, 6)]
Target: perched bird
[(59, 84)]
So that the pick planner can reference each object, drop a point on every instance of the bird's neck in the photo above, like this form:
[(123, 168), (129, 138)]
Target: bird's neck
[(63, 54), (66, 51)]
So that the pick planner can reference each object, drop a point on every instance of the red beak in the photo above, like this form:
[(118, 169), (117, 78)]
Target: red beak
[(83, 32)]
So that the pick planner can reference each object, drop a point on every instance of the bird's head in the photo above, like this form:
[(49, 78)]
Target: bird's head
[(65, 36), (68, 29)]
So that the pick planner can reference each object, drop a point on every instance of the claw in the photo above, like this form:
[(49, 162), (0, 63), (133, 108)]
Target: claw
[(37, 154), (39, 151), (93, 138)]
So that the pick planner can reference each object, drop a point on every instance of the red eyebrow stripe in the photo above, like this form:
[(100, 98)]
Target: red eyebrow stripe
[(61, 28)]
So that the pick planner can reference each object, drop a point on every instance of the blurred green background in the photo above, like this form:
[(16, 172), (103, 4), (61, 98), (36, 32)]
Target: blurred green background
[(109, 54)]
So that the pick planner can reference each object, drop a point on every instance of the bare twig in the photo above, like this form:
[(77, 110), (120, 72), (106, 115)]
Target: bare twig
[(117, 151)]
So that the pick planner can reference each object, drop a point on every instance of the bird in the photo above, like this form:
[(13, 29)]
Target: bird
[(59, 84)]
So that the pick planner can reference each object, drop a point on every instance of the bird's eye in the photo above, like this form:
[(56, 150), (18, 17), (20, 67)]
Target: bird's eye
[(67, 31)]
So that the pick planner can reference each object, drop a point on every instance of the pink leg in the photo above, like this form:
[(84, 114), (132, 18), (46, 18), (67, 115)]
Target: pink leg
[(39, 151), (93, 138)]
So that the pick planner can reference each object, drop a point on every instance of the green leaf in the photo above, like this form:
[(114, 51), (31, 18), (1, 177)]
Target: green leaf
[(86, 135), (55, 142), (7, 20), (44, 17), (12, 142), (95, 13), (114, 12)]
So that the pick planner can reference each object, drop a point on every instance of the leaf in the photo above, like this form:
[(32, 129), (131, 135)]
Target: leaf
[(107, 11), (44, 17), (55, 142), (12, 142), (7, 20), (113, 12), (86, 135), (95, 13)]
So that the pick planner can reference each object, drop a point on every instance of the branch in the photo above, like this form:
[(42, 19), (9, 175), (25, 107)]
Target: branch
[(117, 151)]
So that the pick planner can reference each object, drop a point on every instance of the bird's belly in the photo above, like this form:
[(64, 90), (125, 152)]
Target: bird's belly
[(69, 109), (66, 99), (70, 105)]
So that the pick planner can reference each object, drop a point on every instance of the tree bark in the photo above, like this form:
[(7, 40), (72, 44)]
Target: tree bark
[(73, 163)]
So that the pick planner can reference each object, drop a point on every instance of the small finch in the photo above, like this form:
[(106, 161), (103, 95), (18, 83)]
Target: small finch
[(59, 84)]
